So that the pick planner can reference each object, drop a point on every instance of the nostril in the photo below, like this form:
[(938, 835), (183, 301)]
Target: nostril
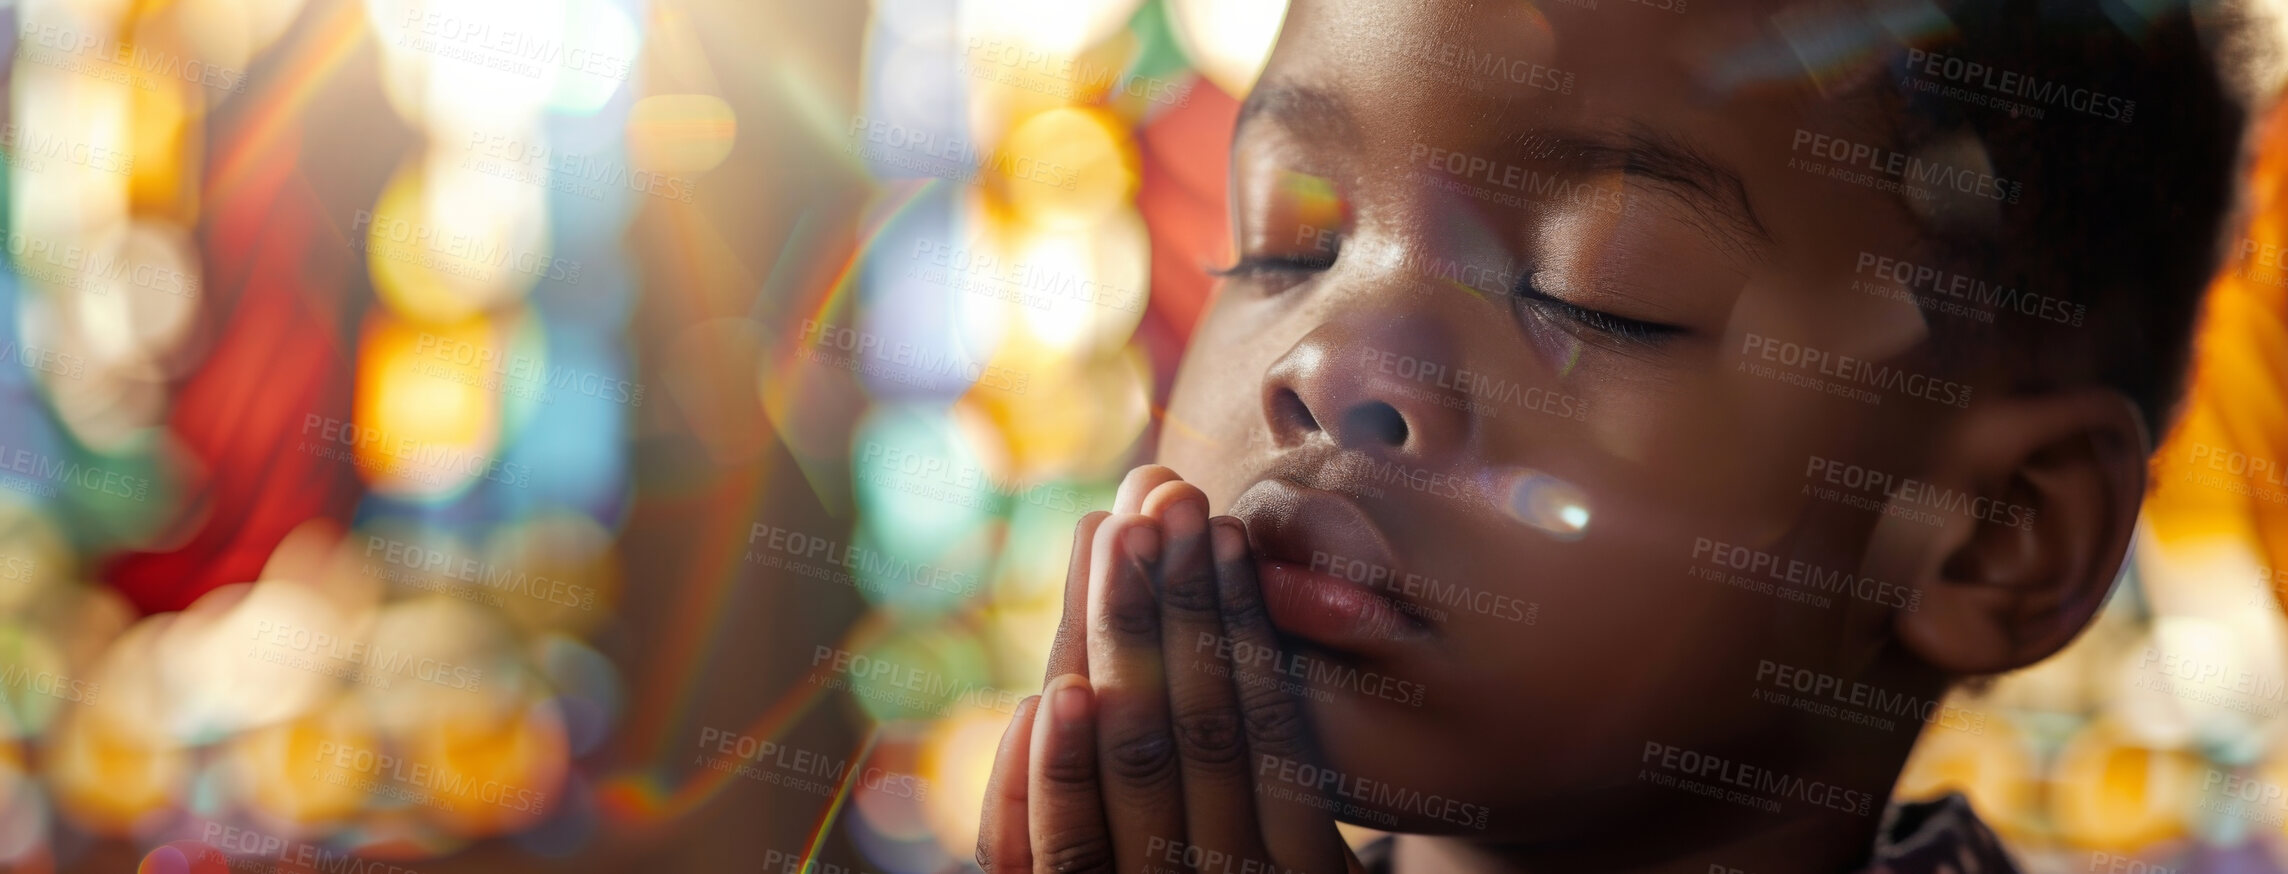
[(1293, 412), (1376, 422)]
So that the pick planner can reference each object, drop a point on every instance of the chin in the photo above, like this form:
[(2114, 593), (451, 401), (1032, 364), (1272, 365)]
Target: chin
[(1373, 778)]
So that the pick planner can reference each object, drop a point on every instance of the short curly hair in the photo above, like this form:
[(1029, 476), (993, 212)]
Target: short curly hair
[(2128, 141)]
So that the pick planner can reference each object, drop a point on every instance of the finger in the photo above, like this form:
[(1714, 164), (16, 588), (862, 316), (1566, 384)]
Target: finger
[(1298, 835), (1137, 484), (1068, 652), (1136, 750), (1002, 844), (1066, 804), (1219, 797)]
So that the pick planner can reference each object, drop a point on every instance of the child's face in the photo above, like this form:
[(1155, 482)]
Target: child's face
[(1447, 150)]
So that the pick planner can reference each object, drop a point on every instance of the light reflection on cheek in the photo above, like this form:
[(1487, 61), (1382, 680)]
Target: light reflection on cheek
[(1548, 504), (1537, 499)]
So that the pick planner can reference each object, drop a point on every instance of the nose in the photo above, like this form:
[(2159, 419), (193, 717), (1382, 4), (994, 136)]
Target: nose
[(1374, 379)]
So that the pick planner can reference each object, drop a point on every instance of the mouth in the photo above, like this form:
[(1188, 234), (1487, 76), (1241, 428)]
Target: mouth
[(1326, 571)]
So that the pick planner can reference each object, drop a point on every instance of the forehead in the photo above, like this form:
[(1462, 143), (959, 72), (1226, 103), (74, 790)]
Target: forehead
[(1725, 66), (1484, 51), (1736, 87), (1733, 78)]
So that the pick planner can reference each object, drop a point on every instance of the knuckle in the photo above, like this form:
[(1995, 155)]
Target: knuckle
[(1131, 618), (1242, 608), (1145, 759), (1192, 590), (1274, 719), (1075, 851), (984, 854), (1070, 774), (1210, 737)]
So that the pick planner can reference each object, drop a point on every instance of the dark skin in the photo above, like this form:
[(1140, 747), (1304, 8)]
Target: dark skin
[(1635, 297)]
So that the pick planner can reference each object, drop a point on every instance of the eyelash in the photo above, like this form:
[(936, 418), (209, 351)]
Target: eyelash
[(1258, 265), (1619, 327)]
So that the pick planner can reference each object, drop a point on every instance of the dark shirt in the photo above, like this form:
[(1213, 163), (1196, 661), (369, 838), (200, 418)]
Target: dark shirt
[(1930, 837)]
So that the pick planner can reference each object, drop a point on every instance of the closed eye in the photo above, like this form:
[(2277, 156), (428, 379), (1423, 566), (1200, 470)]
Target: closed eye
[(1620, 327)]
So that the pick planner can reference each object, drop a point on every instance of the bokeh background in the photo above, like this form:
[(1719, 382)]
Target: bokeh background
[(646, 435)]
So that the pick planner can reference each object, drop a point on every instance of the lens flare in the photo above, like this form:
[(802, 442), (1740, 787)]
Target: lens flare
[(681, 133)]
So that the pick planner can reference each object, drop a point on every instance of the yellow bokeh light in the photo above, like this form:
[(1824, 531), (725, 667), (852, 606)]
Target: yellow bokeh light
[(109, 780), (273, 765), (496, 778), (956, 759), (1992, 768), (1008, 82), (1066, 168), (165, 144), (445, 242), (425, 424), (1064, 418), (1085, 289), (2118, 795)]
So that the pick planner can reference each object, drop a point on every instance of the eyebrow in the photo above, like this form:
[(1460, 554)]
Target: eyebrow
[(1717, 196), (1308, 112)]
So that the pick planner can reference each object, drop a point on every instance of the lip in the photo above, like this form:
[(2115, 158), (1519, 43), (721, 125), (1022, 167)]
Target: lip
[(1295, 532)]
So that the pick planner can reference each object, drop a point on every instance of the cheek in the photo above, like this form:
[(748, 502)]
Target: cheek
[(1707, 453), (1213, 425), (1205, 432), (1596, 626)]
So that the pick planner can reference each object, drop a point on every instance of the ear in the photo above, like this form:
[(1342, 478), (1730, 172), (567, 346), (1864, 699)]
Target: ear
[(2042, 494)]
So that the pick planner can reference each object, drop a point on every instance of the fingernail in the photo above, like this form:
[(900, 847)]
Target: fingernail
[(1184, 520), (1230, 540), (1143, 542), (1072, 702)]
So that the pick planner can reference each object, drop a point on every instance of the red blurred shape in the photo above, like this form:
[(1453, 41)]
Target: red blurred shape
[(1186, 159), (276, 271)]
